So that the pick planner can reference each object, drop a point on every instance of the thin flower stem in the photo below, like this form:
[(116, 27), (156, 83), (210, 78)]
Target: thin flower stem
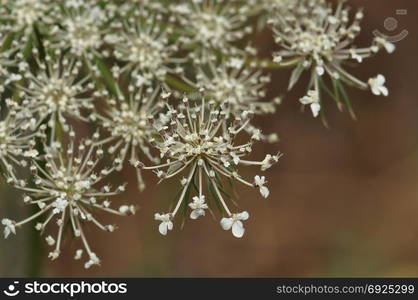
[(186, 186)]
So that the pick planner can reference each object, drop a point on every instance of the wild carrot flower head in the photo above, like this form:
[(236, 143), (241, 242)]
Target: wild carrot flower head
[(54, 90), (212, 24), (68, 193), (23, 14), (319, 37), (231, 82), (238, 88), (128, 119), (81, 28), (142, 45), (195, 144)]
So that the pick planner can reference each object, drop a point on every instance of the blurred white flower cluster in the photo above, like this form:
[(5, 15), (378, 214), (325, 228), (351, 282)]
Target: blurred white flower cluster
[(170, 87)]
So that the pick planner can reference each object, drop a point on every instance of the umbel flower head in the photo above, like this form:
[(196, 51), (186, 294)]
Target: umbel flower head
[(81, 28), (17, 140), (319, 38), (212, 25), (66, 190), (21, 15), (239, 89), (194, 143), (142, 44), (54, 90), (127, 118), (231, 82)]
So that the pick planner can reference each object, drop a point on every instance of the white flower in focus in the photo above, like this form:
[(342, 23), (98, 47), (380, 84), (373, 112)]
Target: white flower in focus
[(166, 223), (312, 99), (9, 227), (377, 85), (260, 183), (94, 260), (50, 240), (389, 47), (269, 161), (127, 210), (235, 222), (78, 254), (59, 205), (198, 142), (198, 207)]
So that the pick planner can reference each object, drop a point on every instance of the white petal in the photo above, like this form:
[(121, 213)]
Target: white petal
[(169, 225), (244, 215), (238, 229), (384, 90), (257, 179), (305, 100), (264, 191), (226, 223), (194, 214), (320, 70), (380, 79), (315, 107), (375, 91), (163, 228), (236, 160), (390, 47), (6, 232)]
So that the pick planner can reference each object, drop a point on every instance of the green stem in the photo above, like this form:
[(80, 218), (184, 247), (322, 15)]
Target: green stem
[(179, 85), (268, 64)]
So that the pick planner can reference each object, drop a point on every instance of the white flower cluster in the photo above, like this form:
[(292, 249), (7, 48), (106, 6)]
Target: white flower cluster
[(172, 87), (318, 38), (197, 142), (67, 193)]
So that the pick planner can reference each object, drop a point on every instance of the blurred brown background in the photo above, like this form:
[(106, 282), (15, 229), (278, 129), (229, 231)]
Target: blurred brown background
[(344, 201)]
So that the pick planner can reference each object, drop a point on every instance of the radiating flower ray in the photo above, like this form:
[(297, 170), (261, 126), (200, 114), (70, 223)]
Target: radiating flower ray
[(20, 16), (321, 37), (80, 28), (142, 44), (66, 190), (239, 89), (210, 26), (194, 144), (128, 119), (55, 91)]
